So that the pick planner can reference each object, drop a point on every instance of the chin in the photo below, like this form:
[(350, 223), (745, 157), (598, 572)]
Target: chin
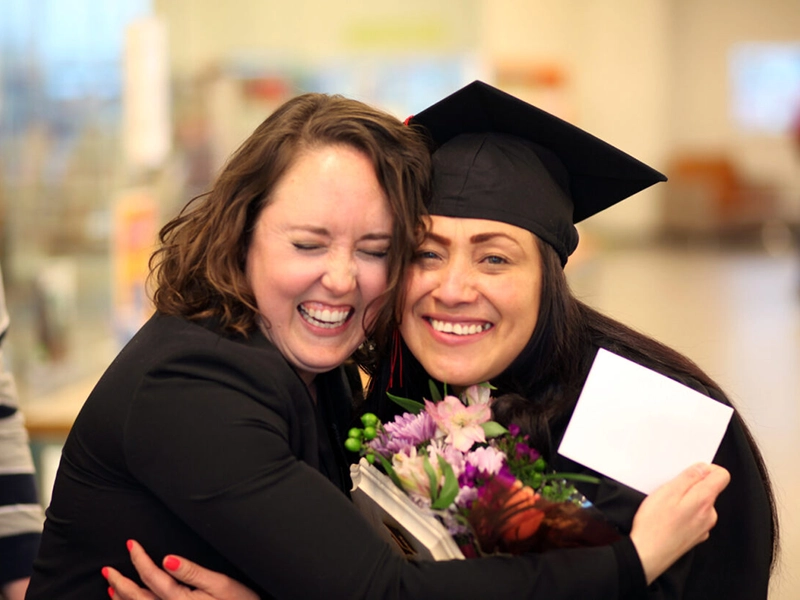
[(457, 379)]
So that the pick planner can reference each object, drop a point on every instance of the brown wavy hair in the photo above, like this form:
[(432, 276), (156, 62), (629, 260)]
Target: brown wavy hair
[(198, 272)]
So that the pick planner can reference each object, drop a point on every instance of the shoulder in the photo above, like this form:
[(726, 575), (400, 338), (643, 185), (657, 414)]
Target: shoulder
[(169, 340), (174, 361), (182, 372)]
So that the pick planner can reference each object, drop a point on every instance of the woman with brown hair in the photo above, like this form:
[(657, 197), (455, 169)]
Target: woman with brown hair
[(217, 431)]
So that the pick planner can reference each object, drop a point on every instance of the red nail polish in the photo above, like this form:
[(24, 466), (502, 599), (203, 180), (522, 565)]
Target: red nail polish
[(104, 571), (110, 592), (129, 544), (171, 563)]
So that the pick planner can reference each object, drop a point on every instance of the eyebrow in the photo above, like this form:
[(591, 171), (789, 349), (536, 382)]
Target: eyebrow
[(322, 231), (478, 238)]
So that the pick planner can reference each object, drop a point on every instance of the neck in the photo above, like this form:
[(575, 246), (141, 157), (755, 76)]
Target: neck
[(308, 379)]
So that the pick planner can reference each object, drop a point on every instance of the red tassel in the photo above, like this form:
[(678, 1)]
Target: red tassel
[(397, 356)]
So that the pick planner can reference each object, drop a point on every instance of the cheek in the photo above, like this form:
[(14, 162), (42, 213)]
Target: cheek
[(416, 285), (372, 280), (523, 310), (415, 289)]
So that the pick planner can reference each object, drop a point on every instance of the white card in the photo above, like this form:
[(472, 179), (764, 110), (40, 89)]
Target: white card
[(639, 427)]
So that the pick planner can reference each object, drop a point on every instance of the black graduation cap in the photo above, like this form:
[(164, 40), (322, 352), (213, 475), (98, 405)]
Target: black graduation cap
[(500, 158)]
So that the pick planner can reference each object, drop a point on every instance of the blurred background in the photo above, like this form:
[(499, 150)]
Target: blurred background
[(113, 115)]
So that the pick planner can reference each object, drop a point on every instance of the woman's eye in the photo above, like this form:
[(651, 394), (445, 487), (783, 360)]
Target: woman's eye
[(305, 246), (425, 255), (495, 260), (383, 253)]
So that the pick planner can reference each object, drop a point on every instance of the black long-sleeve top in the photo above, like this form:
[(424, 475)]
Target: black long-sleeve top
[(210, 446)]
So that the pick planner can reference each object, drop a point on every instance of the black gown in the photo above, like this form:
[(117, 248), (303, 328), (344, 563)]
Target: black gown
[(733, 564), (210, 446)]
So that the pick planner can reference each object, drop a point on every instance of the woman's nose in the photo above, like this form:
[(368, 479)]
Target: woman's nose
[(455, 286), (340, 275)]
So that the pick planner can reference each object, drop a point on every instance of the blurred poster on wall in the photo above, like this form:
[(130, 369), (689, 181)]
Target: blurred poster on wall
[(401, 85), (147, 126), (541, 83), (765, 87), (55, 309), (134, 233)]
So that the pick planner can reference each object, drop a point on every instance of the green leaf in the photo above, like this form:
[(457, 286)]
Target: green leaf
[(411, 406), (449, 490), (573, 477), (387, 466), (434, 480), (493, 429), (488, 385), (435, 395)]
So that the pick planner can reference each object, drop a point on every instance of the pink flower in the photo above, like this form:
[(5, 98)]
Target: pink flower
[(452, 456), (410, 470), (478, 394), (461, 424), (488, 460)]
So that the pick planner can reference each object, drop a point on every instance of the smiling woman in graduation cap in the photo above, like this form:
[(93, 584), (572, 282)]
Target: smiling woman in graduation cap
[(486, 300)]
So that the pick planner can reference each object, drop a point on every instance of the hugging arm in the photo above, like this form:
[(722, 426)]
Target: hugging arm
[(671, 521)]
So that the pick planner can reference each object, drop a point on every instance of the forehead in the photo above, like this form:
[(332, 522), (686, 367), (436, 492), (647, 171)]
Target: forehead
[(477, 230), (329, 172)]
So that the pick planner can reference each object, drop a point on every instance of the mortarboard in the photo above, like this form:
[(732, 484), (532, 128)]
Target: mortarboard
[(497, 157)]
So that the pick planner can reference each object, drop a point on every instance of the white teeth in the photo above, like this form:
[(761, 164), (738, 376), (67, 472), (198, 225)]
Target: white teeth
[(458, 328), (324, 318)]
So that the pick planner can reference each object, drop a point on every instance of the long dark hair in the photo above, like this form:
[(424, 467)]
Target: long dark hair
[(539, 390)]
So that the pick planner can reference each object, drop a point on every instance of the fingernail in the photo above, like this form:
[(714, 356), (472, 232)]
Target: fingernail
[(129, 544), (702, 469), (104, 571), (110, 592), (171, 563)]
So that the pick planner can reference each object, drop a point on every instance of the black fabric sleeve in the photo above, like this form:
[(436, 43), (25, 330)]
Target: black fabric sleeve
[(632, 581), (220, 460)]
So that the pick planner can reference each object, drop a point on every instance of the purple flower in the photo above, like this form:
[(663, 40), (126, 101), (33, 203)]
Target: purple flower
[(522, 450), (405, 432), (514, 429), (466, 496), (468, 476)]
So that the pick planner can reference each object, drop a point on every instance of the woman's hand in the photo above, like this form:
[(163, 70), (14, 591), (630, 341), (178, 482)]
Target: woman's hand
[(163, 585), (677, 517), (15, 590)]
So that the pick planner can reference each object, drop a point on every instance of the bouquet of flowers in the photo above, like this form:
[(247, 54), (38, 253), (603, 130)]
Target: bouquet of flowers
[(485, 483)]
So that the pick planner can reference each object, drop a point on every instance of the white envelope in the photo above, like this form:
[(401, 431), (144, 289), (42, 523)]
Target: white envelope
[(639, 427)]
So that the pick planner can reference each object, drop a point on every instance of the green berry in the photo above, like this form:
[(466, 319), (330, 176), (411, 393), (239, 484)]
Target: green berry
[(355, 433), (370, 458), (370, 433), (352, 444), (369, 420)]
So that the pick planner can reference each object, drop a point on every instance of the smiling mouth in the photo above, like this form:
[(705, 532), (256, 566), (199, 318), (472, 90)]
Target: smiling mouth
[(458, 328), (325, 318)]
